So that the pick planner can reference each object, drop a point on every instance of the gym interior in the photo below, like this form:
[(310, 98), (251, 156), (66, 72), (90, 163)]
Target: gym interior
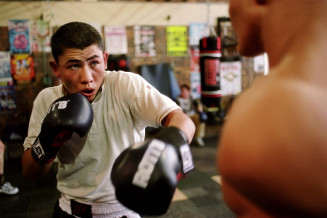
[(151, 33)]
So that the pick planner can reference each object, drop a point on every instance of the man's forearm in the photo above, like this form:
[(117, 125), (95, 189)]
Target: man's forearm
[(180, 120), (31, 168)]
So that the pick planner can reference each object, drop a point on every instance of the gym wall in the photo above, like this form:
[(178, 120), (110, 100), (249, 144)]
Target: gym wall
[(128, 13)]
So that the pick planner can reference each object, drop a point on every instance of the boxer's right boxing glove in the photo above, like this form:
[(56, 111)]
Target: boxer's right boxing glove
[(68, 114), (145, 176)]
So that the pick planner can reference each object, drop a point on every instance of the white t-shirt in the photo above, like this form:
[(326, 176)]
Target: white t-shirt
[(122, 109)]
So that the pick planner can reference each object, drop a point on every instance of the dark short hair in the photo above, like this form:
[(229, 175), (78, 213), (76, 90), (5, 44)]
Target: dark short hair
[(185, 86), (74, 35)]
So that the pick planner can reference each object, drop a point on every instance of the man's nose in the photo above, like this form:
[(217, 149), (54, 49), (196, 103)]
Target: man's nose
[(86, 75)]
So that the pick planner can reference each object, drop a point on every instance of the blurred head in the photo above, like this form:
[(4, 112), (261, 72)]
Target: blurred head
[(185, 91), (246, 17)]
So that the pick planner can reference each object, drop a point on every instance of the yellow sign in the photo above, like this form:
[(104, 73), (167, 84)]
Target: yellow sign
[(177, 41)]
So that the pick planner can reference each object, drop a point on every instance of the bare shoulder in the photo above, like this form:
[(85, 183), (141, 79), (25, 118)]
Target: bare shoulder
[(275, 138), (274, 107)]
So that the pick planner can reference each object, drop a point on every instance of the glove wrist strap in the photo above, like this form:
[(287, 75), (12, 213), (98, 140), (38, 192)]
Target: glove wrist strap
[(184, 152), (180, 132), (39, 154)]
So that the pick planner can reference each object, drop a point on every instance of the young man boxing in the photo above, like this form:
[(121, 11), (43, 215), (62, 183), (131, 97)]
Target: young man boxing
[(89, 120)]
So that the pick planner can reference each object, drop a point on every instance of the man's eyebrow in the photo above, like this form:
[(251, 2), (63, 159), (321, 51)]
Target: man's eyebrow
[(78, 60), (93, 57), (73, 61)]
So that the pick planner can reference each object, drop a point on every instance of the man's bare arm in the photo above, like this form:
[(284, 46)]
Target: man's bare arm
[(180, 120), (33, 169)]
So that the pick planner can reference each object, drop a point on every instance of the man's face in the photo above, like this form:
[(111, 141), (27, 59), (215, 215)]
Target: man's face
[(81, 70), (185, 93)]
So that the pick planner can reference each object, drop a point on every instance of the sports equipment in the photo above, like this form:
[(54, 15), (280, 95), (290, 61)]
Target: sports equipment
[(68, 114), (145, 176)]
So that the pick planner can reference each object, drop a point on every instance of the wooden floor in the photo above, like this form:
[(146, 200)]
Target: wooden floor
[(197, 196)]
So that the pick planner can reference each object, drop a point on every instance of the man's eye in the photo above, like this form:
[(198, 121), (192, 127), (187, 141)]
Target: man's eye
[(75, 66), (94, 63)]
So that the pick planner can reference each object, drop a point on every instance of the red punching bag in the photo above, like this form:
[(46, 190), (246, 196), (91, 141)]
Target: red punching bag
[(210, 53)]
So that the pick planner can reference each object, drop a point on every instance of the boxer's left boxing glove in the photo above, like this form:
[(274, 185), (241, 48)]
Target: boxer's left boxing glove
[(145, 176), (68, 114)]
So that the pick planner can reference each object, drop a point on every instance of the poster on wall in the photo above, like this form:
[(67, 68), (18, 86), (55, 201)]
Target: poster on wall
[(5, 69), (195, 59), (7, 95), (22, 68), (40, 35), (144, 41), (115, 39), (177, 41), (195, 75), (195, 84), (196, 32), (19, 40), (230, 78)]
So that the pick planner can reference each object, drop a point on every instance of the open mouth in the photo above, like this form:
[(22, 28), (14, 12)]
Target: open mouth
[(87, 92)]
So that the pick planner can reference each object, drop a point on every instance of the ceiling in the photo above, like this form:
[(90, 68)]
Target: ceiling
[(193, 1)]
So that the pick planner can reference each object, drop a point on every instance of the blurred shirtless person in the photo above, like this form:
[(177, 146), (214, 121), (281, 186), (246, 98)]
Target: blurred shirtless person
[(273, 151)]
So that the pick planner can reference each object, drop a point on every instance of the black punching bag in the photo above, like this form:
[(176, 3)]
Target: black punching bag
[(210, 53)]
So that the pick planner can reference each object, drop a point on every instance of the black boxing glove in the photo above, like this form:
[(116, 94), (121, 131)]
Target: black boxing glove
[(145, 176), (68, 114)]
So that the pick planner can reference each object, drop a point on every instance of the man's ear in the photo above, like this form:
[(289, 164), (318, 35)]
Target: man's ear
[(261, 2), (105, 59), (54, 67)]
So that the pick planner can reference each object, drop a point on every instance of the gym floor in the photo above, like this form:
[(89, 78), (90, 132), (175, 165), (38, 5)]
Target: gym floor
[(197, 196)]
